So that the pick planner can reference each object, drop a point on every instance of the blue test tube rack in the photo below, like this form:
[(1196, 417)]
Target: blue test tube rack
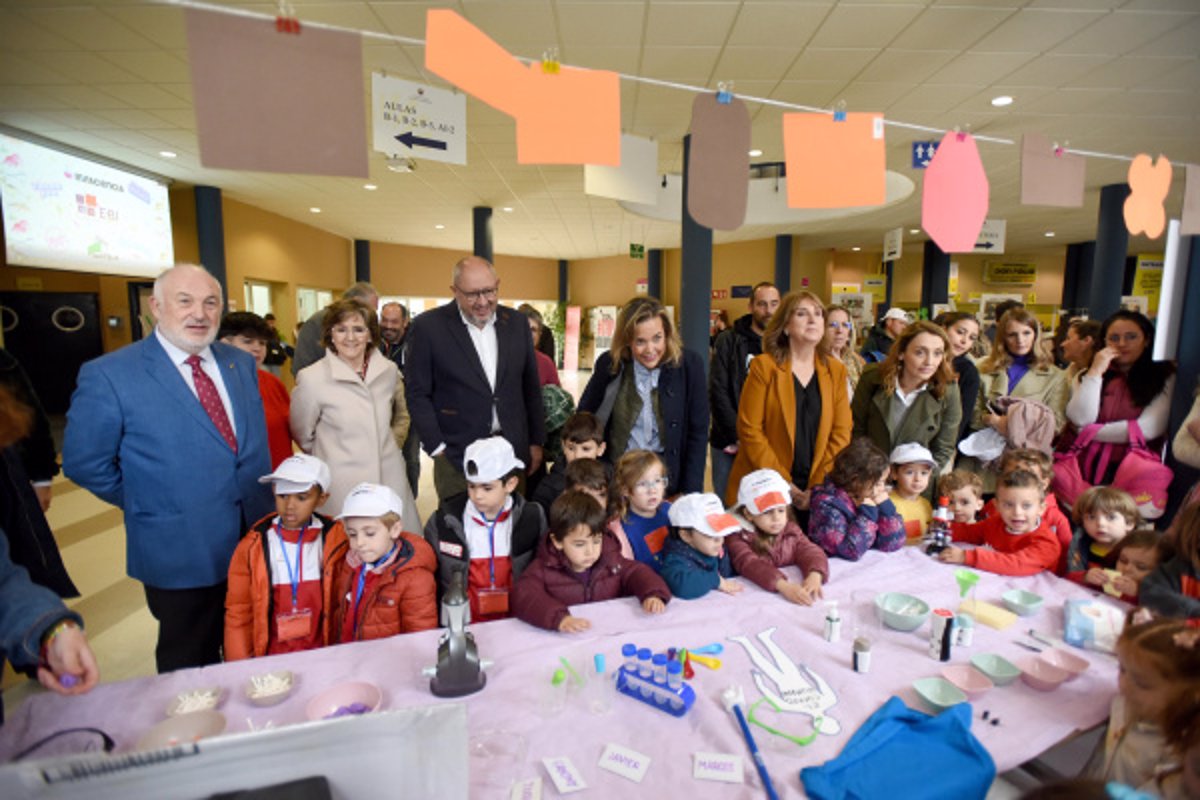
[(654, 693)]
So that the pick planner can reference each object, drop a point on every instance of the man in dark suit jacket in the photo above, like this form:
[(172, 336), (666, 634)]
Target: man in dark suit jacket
[(179, 446), (469, 373)]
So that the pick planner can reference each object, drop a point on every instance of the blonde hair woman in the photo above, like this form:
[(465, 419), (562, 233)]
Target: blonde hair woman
[(650, 394), (794, 415), (840, 337)]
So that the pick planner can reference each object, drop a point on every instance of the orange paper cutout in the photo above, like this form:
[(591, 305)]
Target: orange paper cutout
[(1149, 183), (835, 164), (954, 198), (569, 117)]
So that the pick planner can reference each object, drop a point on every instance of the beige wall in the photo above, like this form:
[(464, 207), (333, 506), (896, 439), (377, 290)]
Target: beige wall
[(603, 281), (405, 270)]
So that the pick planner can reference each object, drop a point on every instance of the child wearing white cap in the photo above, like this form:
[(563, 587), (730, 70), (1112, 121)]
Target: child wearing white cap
[(912, 465), (489, 532), (774, 541), (694, 561), (383, 584), (275, 600)]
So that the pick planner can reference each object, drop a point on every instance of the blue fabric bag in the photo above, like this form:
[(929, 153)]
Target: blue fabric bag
[(902, 753)]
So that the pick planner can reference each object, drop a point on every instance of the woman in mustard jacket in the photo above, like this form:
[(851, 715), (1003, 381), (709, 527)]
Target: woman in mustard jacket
[(794, 415)]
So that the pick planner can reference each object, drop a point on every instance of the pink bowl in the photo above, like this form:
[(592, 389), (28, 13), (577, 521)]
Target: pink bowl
[(971, 681), (355, 695), (1041, 675), (1073, 664)]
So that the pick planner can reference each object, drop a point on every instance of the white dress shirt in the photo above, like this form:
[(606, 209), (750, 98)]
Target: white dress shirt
[(486, 346), (208, 363)]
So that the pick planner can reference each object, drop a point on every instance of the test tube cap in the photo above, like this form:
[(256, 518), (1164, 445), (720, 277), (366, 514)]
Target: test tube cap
[(644, 654), (629, 650), (660, 659), (674, 666)]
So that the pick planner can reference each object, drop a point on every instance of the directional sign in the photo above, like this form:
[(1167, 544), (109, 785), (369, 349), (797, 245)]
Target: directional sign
[(419, 121), (893, 244), (991, 237), (922, 154)]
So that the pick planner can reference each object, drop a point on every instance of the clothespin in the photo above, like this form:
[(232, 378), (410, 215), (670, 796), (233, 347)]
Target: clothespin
[(839, 111), (550, 64), (286, 20), (725, 93), (959, 134)]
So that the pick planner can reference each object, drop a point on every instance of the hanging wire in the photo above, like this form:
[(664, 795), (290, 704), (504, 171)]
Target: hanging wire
[(683, 87)]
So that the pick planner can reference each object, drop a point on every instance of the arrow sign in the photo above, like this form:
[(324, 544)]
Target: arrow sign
[(991, 237), (410, 140)]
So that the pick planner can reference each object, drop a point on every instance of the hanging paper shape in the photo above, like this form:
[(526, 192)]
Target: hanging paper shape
[(1189, 223), (796, 688), (276, 102), (719, 162), (635, 180), (954, 198), (1149, 182), (834, 163), (1050, 176), (571, 116)]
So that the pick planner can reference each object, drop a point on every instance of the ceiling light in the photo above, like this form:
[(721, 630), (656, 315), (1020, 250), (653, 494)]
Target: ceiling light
[(166, 154), (507, 209), (755, 153), (439, 227), (856, 249), (1002, 100), (315, 210), (370, 187), (1049, 234), (914, 230)]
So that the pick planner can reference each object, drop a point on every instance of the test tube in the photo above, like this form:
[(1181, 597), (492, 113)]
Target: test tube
[(629, 655), (645, 672), (660, 669), (675, 682)]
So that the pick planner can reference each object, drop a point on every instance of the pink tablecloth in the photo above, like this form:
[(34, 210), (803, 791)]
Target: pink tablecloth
[(513, 709)]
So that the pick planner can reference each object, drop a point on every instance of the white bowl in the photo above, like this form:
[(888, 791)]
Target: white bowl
[(1073, 664), (182, 729), (270, 687)]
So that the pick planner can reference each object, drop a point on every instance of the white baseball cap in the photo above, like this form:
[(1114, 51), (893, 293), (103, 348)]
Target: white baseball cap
[(912, 453), (704, 513), (895, 312), (371, 500), (490, 460), (296, 474), (762, 490)]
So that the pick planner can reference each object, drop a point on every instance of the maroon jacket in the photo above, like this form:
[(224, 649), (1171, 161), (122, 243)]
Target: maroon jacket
[(548, 585), (790, 548)]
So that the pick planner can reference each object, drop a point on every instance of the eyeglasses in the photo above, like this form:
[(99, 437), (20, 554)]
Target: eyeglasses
[(649, 486), (1115, 338), (482, 294), (845, 325)]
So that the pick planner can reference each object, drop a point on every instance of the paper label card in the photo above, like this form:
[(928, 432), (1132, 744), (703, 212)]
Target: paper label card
[(625, 762), (719, 163), (529, 789), (835, 163), (721, 767), (566, 778)]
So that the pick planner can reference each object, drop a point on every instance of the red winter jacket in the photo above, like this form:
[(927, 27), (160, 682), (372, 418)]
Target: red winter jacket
[(1055, 520), (548, 585), (1011, 554), (403, 599), (790, 548)]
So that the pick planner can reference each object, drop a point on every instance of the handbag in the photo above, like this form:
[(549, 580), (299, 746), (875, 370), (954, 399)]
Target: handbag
[(1068, 481), (1143, 475)]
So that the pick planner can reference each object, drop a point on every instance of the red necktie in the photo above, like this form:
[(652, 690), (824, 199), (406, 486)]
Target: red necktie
[(206, 390)]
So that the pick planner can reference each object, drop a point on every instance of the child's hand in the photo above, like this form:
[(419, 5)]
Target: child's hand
[(654, 605), (1125, 585), (1096, 577), (812, 582), (729, 587), (573, 624), (794, 592), (953, 555)]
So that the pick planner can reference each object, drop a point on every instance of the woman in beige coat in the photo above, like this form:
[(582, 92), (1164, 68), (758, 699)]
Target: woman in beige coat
[(348, 410)]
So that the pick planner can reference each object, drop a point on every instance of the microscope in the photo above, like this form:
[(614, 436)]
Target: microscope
[(459, 671)]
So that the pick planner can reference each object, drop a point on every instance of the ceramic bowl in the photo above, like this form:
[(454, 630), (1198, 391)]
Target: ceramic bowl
[(358, 697), (938, 693), (901, 612), (182, 729), (998, 669), (193, 700), (270, 687), (1021, 602), (971, 681), (1065, 660), (1040, 674)]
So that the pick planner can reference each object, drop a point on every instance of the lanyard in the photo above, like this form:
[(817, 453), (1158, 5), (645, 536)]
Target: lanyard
[(491, 526), (298, 575), (362, 581)]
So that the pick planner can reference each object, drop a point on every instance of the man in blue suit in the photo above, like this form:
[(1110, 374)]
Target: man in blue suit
[(470, 373), (171, 430)]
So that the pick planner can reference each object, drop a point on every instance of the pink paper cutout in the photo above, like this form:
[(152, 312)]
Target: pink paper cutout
[(954, 199), (1189, 223)]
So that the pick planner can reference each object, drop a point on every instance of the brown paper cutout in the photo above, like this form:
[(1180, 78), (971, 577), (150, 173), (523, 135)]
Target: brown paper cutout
[(1189, 222), (719, 163), (1049, 178)]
